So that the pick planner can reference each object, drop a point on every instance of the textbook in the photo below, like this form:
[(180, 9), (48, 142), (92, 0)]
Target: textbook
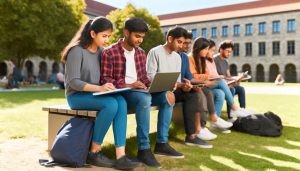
[(217, 78), (112, 91), (234, 78)]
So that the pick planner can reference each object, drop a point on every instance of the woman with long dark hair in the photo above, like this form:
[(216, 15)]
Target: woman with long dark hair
[(200, 71), (82, 78)]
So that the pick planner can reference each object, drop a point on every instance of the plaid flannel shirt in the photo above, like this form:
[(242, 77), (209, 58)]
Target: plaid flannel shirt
[(113, 65)]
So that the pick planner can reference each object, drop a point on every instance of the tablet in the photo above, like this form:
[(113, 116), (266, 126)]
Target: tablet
[(217, 78), (199, 85)]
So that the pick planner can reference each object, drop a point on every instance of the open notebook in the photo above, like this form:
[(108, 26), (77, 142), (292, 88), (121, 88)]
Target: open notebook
[(112, 91), (235, 78)]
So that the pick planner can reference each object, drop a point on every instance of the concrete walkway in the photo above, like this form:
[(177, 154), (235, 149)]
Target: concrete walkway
[(272, 90), (26, 89)]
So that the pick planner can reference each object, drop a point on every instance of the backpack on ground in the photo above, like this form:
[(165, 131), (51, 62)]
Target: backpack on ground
[(268, 124), (72, 144)]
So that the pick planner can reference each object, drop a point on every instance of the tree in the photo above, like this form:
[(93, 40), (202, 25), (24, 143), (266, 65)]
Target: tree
[(153, 38), (37, 27)]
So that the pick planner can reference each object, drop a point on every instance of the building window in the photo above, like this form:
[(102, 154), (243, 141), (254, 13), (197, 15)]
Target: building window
[(194, 33), (276, 26), (236, 30), (276, 48), (291, 25), (204, 32), (249, 29), (236, 50), (214, 32), (248, 49), (225, 31), (262, 28), (291, 48), (262, 48)]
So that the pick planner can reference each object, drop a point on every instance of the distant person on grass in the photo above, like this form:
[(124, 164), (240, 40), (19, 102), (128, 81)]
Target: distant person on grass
[(14, 76), (279, 80), (82, 57)]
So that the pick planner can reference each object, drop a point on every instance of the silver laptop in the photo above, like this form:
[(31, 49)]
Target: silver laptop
[(161, 82)]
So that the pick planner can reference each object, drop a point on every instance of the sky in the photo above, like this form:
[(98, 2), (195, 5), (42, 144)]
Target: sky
[(159, 7)]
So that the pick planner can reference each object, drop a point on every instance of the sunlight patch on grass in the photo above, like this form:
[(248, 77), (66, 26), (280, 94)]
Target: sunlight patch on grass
[(292, 153), (228, 162), (279, 163), (204, 168), (295, 143)]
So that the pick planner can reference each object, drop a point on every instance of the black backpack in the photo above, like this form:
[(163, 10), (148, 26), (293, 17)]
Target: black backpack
[(268, 124), (72, 144)]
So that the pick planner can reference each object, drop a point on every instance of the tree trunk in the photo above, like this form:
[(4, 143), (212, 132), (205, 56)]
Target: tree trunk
[(19, 61)]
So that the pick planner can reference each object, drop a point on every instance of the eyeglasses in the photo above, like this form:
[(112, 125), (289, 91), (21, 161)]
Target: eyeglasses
[(187, 43)]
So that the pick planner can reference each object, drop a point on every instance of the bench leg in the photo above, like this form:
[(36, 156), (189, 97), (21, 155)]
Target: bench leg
[(177, 116), (55, 122)]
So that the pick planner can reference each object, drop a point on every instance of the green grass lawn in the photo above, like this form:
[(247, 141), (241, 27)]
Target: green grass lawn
[(35, 85), (269, 84), (21, 116)]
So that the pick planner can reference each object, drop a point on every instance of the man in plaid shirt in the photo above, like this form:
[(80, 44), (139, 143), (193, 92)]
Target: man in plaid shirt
[(124, 65)]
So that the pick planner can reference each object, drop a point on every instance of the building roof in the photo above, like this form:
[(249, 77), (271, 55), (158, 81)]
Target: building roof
[(259, 7), (97, 8)]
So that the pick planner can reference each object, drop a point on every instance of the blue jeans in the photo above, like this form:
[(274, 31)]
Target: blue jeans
[(240, 91), (222, 92), (113, 109), (142, 103)]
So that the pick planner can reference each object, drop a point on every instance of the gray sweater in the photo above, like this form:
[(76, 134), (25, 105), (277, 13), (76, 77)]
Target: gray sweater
[(159, 60), (82, 67)]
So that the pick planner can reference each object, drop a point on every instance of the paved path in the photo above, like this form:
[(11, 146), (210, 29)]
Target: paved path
[(26, 89), (272, 90)]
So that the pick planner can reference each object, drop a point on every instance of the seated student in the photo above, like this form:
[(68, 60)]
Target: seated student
[(199, 70), (124, 65), (205, 98), (13, 76), (279, 80), (82, 58), (225, 48)]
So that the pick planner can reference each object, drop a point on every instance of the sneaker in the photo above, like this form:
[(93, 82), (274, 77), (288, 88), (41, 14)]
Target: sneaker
[(239, 113), (99, 158), (231, 119), (197, 142), (223, 130), (221, 123), (126, 162), (206, 135), (250, 112), (147, 158), (164, 149)]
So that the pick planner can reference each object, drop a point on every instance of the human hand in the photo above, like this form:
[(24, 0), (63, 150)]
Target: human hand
[(138, 84), (197, 89), (107, 87), (211, 83)]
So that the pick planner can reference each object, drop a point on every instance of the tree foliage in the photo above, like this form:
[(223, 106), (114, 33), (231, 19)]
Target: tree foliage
[(153, 38), (38, 27)]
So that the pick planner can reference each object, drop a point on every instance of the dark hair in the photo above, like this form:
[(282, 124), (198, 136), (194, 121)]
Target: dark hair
[(12, 60), (83, 36), (189, 35), (177, 32), (211, 43), (133, 24), (225, 44), (199, 44)]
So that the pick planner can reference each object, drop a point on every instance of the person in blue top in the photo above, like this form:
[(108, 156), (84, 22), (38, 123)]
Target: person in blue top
[(194, 100), (13, 76)]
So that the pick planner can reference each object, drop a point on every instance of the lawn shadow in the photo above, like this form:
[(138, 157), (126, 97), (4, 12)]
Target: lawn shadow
[(10, 99), (235, 151)]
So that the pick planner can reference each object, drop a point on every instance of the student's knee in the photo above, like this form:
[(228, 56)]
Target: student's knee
[(170, 98), (145, 99), (219, 94)]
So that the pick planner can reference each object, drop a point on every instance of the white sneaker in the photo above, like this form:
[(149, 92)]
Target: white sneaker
[(221, 124), (223, 130), (206, 135), (239, 113), (232, 119), (250, 112)]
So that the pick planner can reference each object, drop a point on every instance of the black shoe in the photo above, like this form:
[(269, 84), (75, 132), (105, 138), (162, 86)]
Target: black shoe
[(197, 142), (99, 158), (164, 149), (125, 162), (147, 158)]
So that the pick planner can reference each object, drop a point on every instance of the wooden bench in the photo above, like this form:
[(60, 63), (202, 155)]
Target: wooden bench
[(58, 115)]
